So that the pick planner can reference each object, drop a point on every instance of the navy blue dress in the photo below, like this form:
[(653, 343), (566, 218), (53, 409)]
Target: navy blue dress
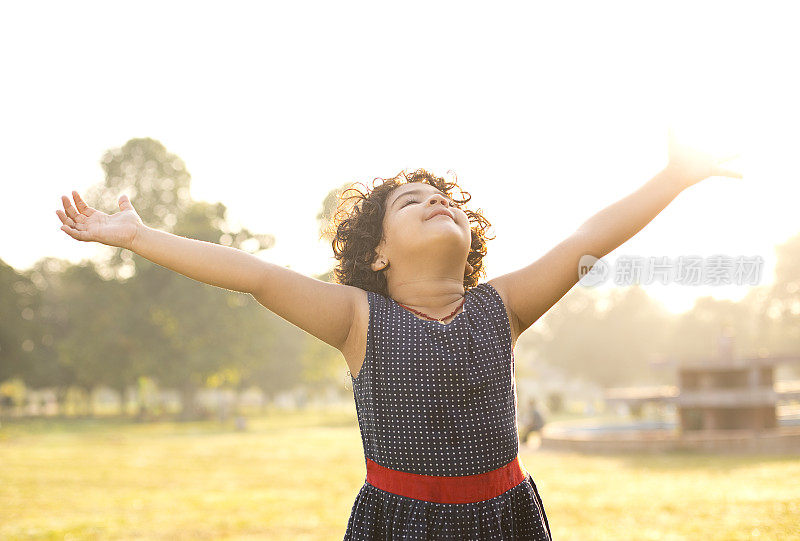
[(440, 399)]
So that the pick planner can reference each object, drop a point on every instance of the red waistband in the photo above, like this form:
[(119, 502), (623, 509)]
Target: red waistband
[(433, 488)]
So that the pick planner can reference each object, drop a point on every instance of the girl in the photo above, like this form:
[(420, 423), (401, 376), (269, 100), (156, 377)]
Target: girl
[(430, 349)]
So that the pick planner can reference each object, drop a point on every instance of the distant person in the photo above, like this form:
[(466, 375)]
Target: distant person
[(532, 421), (429, 346)]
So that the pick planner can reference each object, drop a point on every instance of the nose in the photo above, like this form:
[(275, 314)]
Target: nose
[(438, 196)]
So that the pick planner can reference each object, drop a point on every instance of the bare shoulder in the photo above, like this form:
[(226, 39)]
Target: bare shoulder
[(355, 347)]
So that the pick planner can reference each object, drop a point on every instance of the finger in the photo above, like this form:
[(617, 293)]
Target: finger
[(83, 208), (65, 219), (671, 142), (74, 233), (729, 157), (125, 203), (72, 224), (68, 208), (727, 173)]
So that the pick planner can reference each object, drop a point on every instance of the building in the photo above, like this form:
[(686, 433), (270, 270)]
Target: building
[(722, 404)]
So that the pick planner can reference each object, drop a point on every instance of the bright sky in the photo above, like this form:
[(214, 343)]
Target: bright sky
[(547, 113)]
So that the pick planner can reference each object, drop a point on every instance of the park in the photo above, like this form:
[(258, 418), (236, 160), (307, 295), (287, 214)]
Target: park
[(364, 272), (292, 475)]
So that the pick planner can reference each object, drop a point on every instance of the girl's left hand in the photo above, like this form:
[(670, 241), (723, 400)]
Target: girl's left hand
[(690, 165)]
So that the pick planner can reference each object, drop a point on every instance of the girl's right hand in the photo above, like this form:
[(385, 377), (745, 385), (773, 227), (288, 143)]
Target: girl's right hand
[(88, 224)]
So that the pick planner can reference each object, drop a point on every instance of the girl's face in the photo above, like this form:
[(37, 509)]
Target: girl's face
[(422, 222)]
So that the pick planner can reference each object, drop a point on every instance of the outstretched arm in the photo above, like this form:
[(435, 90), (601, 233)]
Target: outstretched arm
[(320, 308), (532, 290)]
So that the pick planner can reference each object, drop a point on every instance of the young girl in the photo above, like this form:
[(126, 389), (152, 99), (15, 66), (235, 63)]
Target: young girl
[(430, 349)]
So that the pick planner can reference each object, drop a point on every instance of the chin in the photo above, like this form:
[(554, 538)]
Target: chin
[(440, 240)]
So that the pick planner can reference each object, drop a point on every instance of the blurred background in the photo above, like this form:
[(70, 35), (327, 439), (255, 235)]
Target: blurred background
[(135, 402)]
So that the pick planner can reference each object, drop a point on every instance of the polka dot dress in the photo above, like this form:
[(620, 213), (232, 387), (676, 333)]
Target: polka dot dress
[(440, 399)]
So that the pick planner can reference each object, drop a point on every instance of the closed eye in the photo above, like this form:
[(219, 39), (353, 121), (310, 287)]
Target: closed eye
[(452, 203)]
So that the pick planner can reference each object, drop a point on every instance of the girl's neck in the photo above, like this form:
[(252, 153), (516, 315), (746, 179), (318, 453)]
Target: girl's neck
[(436, 297)]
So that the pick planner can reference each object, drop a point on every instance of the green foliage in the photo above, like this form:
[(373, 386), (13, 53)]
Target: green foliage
[(119, 319), (615, 341), (123, 318), (12, 392), (780, 305), (326, 213), (17, 295), (608, 341), (156, 179)]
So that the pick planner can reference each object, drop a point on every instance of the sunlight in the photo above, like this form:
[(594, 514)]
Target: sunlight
[(719, 133), (724, 121)]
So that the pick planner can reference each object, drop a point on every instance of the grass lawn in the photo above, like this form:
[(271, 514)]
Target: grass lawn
[(296, 475)]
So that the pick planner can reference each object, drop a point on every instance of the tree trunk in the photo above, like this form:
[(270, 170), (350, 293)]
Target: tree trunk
[(61, 401), (89, 402), (122, 410), (266, 400), (188, 408)]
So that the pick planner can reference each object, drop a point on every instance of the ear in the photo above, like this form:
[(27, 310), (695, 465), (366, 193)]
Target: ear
[(468, 269), (380, 261), (379, 264)]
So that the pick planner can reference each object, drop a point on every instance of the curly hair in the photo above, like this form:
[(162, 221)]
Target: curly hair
[(357, 228)]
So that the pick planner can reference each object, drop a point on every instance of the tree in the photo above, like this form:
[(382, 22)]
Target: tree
[(198, 329), (17, 310), (611, 345), (159, 182), (326, 214), (782, 309), (179, 330), (53, 323)]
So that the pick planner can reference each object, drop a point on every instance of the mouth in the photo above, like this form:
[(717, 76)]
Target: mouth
[(440, 212)]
